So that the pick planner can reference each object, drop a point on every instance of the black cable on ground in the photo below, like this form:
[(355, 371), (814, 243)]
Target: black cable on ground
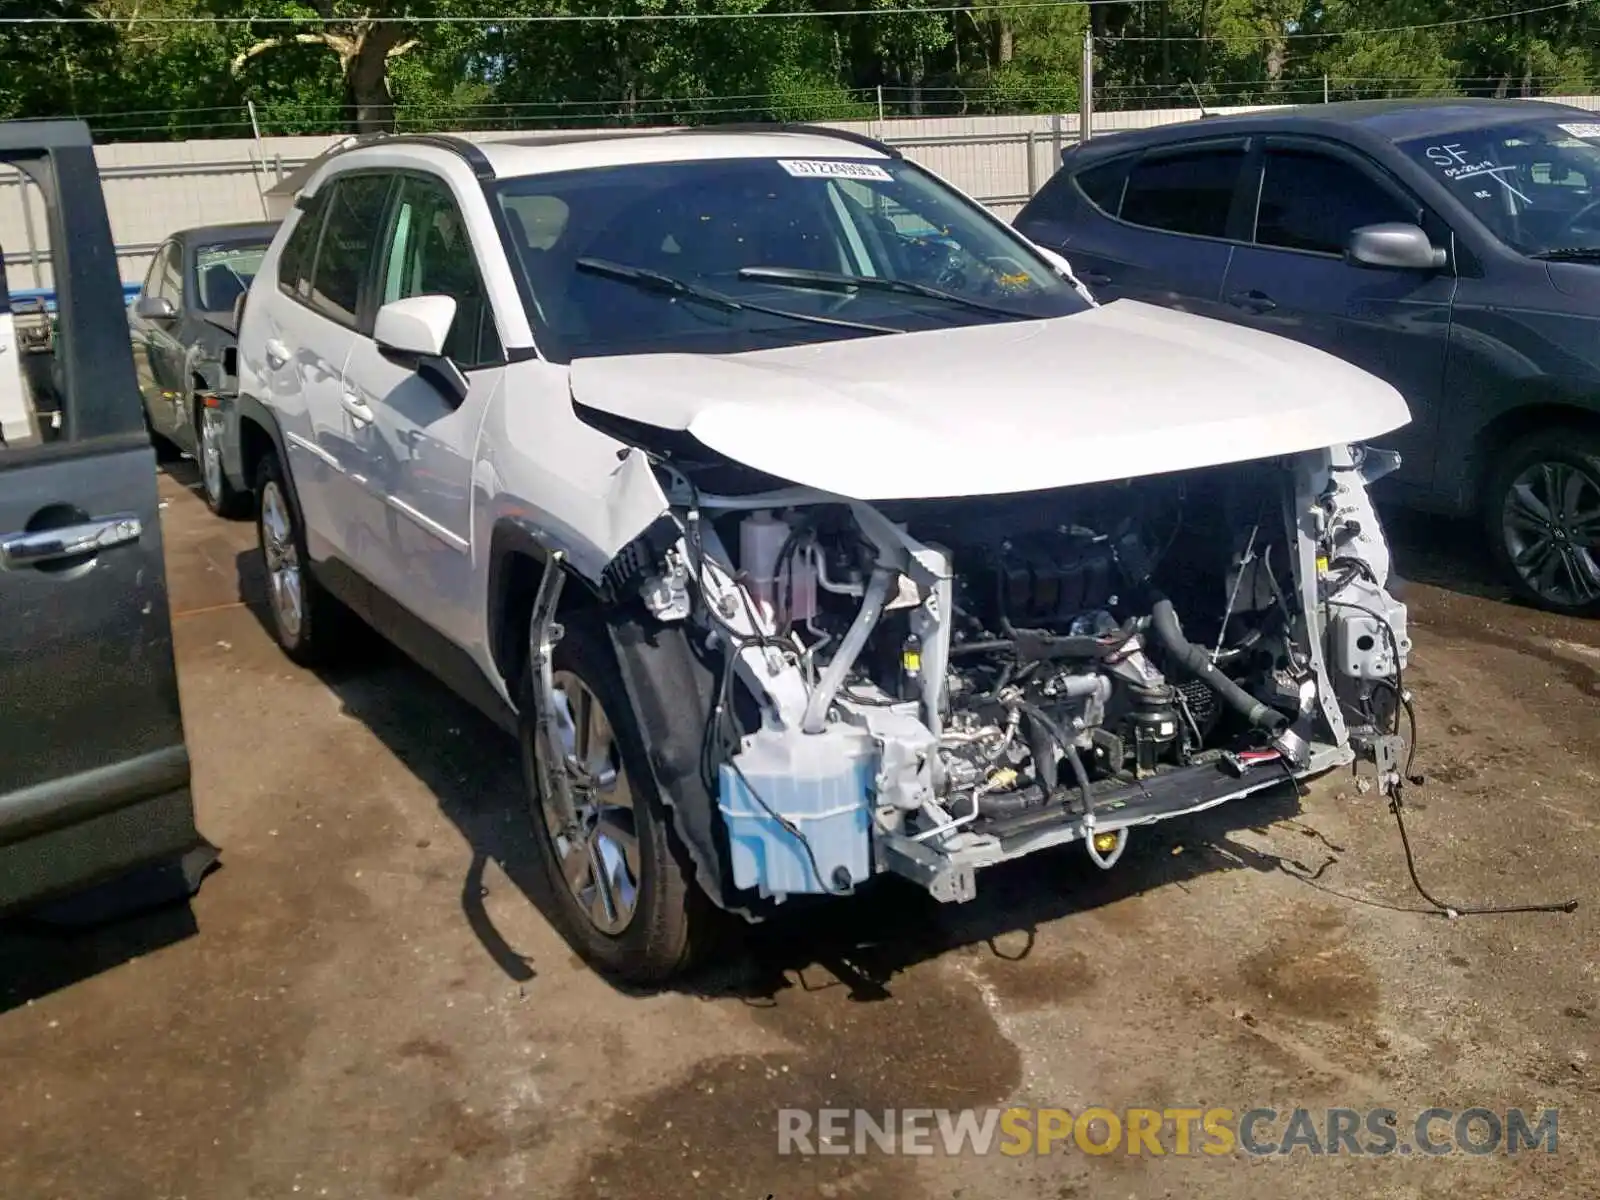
[(1395, 792), (1396, 803)]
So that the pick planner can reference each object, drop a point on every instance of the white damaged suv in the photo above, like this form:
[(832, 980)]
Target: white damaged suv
[(802, 520)]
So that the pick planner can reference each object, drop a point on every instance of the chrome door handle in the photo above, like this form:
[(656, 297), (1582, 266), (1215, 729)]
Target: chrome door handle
[(277, 353), (356, 407), (21, 550)]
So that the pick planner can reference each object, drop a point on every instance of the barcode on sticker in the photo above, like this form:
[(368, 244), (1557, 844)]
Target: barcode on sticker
[(1588, 130), (817, 168)]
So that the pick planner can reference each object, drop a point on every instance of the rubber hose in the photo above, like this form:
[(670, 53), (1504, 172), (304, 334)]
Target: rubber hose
[(1057, 735), (1164, 621)]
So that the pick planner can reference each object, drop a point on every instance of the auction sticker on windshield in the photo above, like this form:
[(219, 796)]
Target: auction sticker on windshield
[(1583, 130), (811, 168)]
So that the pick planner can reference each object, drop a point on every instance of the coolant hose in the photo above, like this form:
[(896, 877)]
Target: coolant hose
[(844, 659), (1164, 621)]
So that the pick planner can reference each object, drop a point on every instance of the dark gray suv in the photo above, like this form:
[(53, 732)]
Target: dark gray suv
[(1451, 247)]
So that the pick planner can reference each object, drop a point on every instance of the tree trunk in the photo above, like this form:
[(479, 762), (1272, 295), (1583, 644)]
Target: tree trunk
[(1166, 46), (1006, 44), (366, 79)]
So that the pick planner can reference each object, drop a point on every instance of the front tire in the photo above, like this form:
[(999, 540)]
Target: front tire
[(623, 892), (1542, 515), (304, 616)]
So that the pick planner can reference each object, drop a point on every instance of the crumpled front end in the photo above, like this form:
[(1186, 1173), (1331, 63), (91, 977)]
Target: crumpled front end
[(930, 687)]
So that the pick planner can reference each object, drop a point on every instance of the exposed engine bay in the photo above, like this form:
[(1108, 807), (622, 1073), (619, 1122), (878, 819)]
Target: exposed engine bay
[(929, 687)]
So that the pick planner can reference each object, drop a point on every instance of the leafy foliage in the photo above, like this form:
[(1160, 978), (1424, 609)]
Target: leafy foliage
[(338, 68)]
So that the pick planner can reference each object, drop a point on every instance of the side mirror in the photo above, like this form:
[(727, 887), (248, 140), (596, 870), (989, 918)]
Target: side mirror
[(154, 308), (1395, 245), (415, 327), (412, 333)]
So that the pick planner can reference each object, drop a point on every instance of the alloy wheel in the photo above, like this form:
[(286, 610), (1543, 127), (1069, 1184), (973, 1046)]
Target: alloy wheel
[(283, 561), (598, 848), (1550, 519), (211, 453)]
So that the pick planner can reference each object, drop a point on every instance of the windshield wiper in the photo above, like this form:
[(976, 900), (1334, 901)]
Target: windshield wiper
[(802, 277), (1569, 254), (662, 284)]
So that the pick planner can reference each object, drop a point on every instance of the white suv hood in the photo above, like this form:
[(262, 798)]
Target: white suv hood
[(1115, 392)]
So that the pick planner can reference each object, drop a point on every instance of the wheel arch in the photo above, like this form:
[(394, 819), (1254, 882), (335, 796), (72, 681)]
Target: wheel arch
[(664, 679), (1560, 409), (518, 559)]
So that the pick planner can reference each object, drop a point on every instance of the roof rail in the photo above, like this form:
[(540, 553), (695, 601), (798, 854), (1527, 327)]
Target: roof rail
[(845, 135), (469, 151)]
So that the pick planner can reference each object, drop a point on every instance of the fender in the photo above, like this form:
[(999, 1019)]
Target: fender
[(667, 685)]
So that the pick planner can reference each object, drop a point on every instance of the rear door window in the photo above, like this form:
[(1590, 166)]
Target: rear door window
[(1186, 191), (344, 256), (300, 251), (1314, 201), (1103, 184)]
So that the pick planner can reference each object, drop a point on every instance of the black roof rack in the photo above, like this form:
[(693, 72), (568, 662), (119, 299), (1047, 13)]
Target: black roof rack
[(475, 158), (845, 135), (577, 136)]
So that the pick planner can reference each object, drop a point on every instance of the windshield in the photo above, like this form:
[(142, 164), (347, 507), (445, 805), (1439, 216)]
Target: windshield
[(1535, 185), (223, 273), (807, 251)]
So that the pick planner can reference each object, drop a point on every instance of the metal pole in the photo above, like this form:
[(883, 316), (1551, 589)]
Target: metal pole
[(261, 159), (1324, 87), (28, 231), (1033, 170), (880, 104), (1086, 90)]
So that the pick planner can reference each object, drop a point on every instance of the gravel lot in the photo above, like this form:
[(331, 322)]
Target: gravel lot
[(366, 1002)]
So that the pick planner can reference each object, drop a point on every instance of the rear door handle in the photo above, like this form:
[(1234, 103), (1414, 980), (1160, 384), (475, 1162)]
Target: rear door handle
[(1253, 301), (277, 353), (22, 550), (355, 406), (1095, 278)]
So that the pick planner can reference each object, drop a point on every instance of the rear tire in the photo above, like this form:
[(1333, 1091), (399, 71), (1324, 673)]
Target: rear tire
[(221, 497), (623, 825), (305, 619), (1542, 516)]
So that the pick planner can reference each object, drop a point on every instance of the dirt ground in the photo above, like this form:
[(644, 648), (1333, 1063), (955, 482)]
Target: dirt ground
[(364, 1001)]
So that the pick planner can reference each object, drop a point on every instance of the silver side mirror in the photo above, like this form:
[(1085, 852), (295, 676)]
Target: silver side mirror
[(154, 308), (1395, 245)]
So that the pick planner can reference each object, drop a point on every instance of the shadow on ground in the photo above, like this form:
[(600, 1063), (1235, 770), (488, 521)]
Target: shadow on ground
[(472, 768)]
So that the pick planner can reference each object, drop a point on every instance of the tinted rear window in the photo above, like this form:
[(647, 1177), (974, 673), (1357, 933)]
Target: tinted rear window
[(1185, 192), (1102, 184), (355, 224)]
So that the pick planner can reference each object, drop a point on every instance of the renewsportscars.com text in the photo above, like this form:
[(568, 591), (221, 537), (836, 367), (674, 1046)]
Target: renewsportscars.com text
[(1153, 1132)]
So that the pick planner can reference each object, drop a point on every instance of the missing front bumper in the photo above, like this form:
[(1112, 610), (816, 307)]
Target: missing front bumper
[(949, 871)]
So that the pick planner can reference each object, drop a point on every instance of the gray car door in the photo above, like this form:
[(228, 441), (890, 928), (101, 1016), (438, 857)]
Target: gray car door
[(1293, 279), (94, 772)]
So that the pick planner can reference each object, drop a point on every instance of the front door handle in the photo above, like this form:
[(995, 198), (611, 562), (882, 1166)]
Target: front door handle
[(356, 407), (1253, 301), (21, 550), (277, 353), (1095, 278)]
